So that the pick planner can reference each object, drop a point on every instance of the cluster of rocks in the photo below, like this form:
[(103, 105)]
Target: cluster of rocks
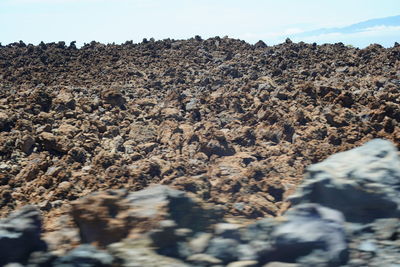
[(225, 128), (346, 213), (231, 122)]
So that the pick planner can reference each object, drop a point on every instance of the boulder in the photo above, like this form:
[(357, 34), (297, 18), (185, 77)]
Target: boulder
[(107, 217), (363, 183)]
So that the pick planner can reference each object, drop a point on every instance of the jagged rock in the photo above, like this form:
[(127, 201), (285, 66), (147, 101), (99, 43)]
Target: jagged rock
[(363, 183), (51, 142), (20, 235), (26, 144), (114, 97)]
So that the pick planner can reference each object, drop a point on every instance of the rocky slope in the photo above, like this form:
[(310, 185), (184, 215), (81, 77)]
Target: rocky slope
[(231, 123), (345, 213)]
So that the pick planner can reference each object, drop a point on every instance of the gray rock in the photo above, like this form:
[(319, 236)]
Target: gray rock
[(223, 249), (20, 235), (310, 228), (85, 256), (363, 183)]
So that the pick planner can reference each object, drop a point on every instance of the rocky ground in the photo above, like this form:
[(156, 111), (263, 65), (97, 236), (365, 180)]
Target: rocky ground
[(225, 128)]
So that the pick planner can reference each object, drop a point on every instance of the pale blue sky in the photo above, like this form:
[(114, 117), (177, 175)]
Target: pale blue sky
[(119, 20)]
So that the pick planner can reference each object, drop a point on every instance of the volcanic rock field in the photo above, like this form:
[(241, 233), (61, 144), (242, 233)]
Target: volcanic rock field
[(199, 153)]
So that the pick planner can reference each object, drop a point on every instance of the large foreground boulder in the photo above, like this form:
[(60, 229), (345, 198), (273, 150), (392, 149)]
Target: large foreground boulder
[(20, 235), (363, 183)]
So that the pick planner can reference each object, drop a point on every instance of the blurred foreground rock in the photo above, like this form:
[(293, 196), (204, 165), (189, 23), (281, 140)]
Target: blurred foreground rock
[(110, 216), (20, 235), (363, 183)]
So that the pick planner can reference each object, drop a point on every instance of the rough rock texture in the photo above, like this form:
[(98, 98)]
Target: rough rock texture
[(229, 123), (234, 123), (110, 216)]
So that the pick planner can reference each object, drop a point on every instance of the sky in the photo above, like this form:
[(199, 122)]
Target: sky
[(117, 21)]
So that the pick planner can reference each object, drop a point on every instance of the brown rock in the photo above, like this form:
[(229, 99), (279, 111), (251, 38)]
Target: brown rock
[(110, 216)]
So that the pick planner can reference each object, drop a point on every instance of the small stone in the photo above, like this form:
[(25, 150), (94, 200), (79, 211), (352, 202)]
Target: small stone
[(27, 144), (65, 186)]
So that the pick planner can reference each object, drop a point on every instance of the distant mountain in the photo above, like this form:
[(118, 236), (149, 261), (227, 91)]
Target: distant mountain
[(354, 28)]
